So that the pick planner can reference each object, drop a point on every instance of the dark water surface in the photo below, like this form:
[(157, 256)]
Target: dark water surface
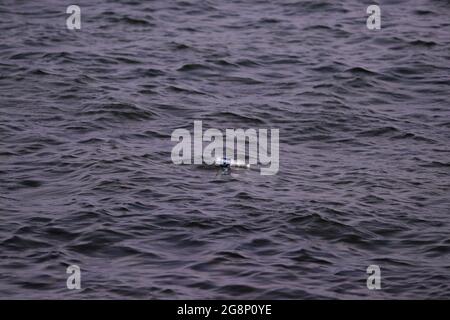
[(86, 176)]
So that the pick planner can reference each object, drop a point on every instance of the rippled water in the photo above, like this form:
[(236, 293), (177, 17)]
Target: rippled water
[(86, 176)]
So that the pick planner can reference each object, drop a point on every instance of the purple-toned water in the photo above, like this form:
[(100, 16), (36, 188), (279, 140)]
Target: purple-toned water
[(86, 176)]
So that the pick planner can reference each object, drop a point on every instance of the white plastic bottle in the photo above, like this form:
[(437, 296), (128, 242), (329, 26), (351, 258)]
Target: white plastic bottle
[(231, 163)]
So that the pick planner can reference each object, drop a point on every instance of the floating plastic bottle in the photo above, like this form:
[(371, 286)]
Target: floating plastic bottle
[(227, 163)]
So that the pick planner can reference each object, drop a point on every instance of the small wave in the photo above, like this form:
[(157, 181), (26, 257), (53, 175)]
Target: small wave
[(117, 111)]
